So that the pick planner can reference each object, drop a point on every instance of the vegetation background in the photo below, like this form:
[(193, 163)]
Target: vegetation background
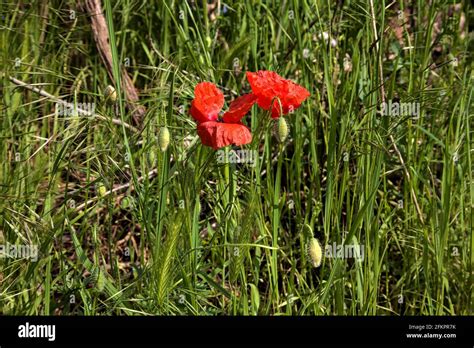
[(125, 228)]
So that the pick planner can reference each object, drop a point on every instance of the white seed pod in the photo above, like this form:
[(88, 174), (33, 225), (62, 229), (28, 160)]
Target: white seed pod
[(347, 63), (315, 253), (164, 138), (281, 129), (110, 95)]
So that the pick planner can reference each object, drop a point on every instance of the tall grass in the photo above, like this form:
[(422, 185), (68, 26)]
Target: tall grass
[(178, 232)]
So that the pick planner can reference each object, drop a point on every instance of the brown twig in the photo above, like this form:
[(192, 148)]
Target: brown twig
[(101, 37)]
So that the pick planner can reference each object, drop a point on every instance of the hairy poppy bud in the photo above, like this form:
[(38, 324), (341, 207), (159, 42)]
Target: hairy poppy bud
[(102, 190), (208, 41), (125, 202), (110, 95), (164, 138), (315, 252), (281, 131)]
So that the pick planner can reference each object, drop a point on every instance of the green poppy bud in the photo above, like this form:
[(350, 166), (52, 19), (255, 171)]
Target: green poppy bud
[(208, 41), (110, 95), (281, 129), (102, 190), (315, 253), (125, 202), (164, 138)]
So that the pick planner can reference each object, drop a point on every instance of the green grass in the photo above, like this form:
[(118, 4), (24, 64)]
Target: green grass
[(185, 234)]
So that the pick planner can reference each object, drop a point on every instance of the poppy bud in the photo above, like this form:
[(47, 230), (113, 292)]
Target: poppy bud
[(315, 252), (110, 95), (102, 190), (164, 138), (208, 41), (125, 203), (281, 131)]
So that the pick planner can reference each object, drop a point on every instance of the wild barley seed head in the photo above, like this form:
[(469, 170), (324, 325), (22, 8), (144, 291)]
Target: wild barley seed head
[(100, 281)]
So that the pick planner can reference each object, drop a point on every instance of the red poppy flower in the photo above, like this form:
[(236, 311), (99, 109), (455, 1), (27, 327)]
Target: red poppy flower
[(205, 107), (268, 85)]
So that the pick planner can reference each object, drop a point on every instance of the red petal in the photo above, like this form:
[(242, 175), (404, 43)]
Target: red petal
[(208, 101), (239, 108), (267, 85), (217, 134)]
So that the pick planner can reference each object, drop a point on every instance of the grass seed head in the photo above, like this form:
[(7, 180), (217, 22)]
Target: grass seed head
[(100, 284)]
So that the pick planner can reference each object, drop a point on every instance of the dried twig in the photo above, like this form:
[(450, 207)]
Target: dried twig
[(101, 37)]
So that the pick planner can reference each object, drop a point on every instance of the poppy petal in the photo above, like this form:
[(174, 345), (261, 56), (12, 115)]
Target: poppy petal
[(239, 108), (218, 134), (268, 85), (208, 101)]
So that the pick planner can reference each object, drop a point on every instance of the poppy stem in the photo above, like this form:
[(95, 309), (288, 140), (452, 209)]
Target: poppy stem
[(276, 222), (226, 201)]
